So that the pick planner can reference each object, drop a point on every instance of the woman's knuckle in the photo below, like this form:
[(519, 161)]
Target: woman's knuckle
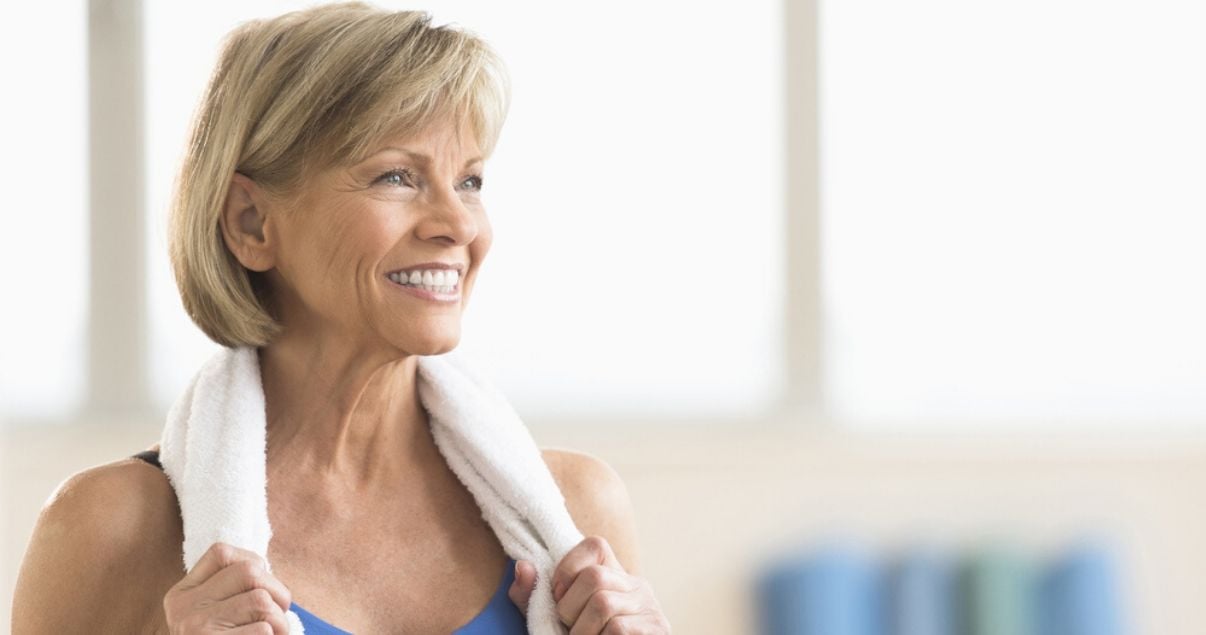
[(251, 565), (241, 569), (596, 542), (249, 575), (605, 602), (258, 604), (228, 555), (222, 551), (596, 574), (616, 626), (261, 601)]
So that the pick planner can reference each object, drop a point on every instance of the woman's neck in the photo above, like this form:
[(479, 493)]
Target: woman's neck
[(343, 414)]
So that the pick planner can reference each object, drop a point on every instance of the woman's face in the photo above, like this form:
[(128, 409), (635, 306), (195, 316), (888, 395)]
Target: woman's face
[(415, 201)]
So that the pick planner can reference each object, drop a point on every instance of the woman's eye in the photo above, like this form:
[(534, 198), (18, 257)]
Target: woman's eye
[(400, 177), (397, 177), (476, 180)]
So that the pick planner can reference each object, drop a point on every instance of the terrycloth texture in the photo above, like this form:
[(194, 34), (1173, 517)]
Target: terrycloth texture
[(214, 447)]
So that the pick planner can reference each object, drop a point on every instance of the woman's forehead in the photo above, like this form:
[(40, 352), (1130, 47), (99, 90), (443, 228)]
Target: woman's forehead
[(445, 133)]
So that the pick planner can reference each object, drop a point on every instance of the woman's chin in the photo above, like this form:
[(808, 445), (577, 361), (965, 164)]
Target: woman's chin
[(434, 344)]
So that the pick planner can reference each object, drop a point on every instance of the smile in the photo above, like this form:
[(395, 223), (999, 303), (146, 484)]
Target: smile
[(436, 286)]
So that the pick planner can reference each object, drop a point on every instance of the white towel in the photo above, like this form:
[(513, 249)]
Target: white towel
[(213, 451)]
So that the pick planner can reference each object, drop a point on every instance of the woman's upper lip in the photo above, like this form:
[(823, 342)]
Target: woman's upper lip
[(460, 267)]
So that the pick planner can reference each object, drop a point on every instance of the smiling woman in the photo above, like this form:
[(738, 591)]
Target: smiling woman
[(317, 113), (327, 230), (327, 249)]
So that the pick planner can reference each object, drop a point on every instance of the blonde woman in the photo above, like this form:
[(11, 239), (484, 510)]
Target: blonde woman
[(329, 212)]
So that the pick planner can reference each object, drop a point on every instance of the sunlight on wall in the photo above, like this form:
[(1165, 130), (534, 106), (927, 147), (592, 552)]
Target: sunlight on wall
[(44, 178), (1012, 211)]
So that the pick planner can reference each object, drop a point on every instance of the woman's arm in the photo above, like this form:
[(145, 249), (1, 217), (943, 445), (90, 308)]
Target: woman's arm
[(92, 564), (598, 501)]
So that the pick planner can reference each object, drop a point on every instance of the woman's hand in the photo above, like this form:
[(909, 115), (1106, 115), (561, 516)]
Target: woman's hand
[(594, 594), (230, 589)]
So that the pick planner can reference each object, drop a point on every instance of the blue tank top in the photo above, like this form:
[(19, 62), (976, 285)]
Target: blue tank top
[(499, 617)]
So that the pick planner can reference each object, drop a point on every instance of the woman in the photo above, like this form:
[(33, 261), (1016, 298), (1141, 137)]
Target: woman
[(334, 173)]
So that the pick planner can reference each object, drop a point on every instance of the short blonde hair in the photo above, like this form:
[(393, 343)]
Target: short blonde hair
[(303, 92)]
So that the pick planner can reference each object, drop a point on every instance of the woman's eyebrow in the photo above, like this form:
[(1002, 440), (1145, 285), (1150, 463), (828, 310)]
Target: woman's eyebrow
[(423, 158)]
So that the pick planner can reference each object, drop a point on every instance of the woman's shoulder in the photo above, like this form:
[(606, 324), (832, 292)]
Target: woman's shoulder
[(574, 469), (107, 529), (597, 499), (127, 494), (123, 504)]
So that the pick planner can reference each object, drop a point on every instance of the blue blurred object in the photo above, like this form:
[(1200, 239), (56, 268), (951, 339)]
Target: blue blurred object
[(998, 586), (1080, 594), (996, 590), (829, 591), (923, 594)]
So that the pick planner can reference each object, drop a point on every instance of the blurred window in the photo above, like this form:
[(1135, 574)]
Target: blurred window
[(44, 181), (1013, 215)]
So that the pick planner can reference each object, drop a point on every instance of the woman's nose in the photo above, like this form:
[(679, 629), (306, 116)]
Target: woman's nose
[(450, 218)]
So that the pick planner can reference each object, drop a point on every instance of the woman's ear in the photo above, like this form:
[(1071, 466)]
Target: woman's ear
[(245, 225)]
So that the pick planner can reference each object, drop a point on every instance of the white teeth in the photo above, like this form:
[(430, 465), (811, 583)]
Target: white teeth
[(444, 290), (436, 280)]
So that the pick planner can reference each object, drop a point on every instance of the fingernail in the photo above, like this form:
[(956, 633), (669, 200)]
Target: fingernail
[(517, 568), (557, 592)]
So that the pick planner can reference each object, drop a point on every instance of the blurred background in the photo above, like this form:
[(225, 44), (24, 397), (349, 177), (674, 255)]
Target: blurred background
[(816, 277)]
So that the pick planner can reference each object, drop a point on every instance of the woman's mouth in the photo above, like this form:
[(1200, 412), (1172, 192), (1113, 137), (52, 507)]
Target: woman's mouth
[(437, 285)]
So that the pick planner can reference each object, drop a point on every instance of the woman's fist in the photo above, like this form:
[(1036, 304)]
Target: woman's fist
[(230, 589), (594, 594)]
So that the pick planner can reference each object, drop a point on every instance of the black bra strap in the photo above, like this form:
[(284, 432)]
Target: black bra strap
[(150, 456)]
